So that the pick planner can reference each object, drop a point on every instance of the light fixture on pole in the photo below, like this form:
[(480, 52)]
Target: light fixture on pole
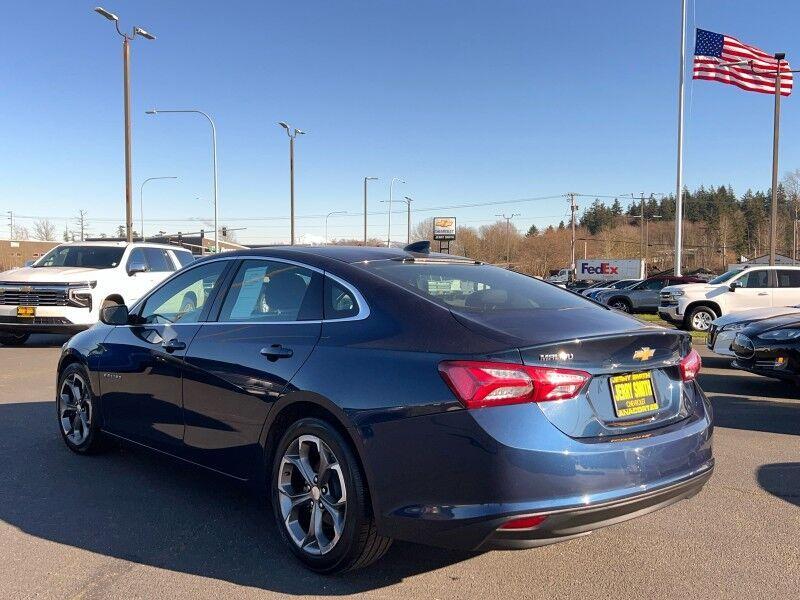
[(330, 214), (366, 179), (292, 132), (213, 155), (391, 187), (141, 199), (126, 83)]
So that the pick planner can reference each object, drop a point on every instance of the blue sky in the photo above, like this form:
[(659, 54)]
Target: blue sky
[(468, 101)]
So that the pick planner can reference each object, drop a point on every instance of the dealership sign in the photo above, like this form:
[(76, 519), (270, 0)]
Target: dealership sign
[(444, 228)]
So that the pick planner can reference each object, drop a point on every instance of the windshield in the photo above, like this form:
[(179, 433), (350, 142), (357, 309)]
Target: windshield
[(725, 276), (480, 289), (88, 257)]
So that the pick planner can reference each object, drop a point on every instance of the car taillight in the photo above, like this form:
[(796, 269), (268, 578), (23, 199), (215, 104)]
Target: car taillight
[(530, 522), (690, 365), (478, 384)]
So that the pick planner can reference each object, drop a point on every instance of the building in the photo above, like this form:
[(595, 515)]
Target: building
[(198, 244), (15, 253)]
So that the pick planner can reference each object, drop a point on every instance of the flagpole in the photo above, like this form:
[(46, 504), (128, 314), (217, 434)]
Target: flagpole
[(679, 178), (773, 228)]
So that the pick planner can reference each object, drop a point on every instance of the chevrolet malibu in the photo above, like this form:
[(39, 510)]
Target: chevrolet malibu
[(381, 393)]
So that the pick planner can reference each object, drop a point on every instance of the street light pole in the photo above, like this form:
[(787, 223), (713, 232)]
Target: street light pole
[(508, 235), (391, 187), (126, 85), (292, 132), (141, 199), (366, 179), (330, 214), (214, 159), (408, 226)]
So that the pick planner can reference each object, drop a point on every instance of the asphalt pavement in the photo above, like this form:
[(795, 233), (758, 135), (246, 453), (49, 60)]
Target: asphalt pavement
[(129, 524)]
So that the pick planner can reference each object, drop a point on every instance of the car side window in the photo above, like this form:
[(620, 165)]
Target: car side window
[(654, 284), (158, 260), (182, 299), (137, 258), (340, 303), (267, 292), (184, 258), (788, 278), (754, 279)]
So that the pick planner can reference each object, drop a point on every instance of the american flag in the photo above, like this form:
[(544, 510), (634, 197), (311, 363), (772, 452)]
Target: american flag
[(714, 53)]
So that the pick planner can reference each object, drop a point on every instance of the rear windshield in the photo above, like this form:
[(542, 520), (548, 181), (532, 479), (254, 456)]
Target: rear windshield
[(477, 289), (90, 257)]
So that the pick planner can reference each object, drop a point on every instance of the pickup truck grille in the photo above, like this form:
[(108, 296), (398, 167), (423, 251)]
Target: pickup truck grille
[(32, 296), (667, 299)]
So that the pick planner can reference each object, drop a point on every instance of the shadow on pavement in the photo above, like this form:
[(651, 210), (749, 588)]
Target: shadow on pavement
[(756, 415), (139, 507), (747, 385), (40, 340), (781, 480)]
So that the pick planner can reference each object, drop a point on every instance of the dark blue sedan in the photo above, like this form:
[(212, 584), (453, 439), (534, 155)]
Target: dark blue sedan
[(381, 394)]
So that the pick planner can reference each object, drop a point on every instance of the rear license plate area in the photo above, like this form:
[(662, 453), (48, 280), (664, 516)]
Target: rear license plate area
[(633, 394), (27, 312)]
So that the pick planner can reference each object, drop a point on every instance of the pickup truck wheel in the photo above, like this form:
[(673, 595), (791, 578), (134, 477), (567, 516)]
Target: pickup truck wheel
[(699, 319), (13, 339)]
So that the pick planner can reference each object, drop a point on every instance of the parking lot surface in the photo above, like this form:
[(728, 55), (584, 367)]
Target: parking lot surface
[(129, 524)]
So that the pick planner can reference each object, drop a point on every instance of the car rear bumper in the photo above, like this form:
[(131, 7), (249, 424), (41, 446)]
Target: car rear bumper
[(467, 473), (670, 313)]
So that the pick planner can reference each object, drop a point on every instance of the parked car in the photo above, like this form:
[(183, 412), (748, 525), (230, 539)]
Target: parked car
[(696, 306), (770, 347), (642, 297), (614, 285), (724, 329), (386, 393), (65, 289)]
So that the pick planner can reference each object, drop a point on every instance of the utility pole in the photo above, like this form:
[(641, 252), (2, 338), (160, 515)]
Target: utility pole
[(508, 234), (366, 179), (773, 227), (292, 132), (82, 223), (10, 225), (572, 208)]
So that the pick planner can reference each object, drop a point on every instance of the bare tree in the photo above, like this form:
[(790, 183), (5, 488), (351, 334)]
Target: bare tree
[(18, 232), (44, 230)]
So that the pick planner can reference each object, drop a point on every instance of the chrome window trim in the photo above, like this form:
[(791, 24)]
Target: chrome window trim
[(363, 307)]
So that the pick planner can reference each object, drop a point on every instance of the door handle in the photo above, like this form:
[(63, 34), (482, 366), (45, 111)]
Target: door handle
[(276, 351), (173, 345), (763, 293)]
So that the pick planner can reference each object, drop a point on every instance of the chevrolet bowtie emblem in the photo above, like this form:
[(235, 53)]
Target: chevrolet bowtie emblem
[(644, 354)]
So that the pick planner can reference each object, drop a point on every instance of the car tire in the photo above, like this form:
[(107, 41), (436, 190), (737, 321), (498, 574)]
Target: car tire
[(302, 490), (78, 411), (699, 318), (621, 304), (13, 339)]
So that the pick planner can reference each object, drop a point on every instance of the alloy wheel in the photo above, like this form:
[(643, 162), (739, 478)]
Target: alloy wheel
[(312, 495), (75, 408), (619, 305), (701, 321)]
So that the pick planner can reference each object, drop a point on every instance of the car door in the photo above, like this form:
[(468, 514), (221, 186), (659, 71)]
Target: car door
[(787, 290), (140, 279), (142, 364), (239, 365), (646, 295), (752, 289)]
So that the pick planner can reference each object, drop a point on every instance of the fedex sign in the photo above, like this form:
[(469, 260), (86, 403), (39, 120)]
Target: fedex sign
[(602, 269)]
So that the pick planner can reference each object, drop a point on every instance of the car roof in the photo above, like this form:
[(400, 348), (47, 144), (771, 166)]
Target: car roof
[(118, 244), (347, 254)]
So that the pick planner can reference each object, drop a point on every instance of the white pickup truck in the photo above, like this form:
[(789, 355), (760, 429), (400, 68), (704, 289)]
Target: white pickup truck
[(64, 290), (696, 305)]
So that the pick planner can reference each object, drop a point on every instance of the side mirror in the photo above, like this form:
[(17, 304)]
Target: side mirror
[(732, 287), (116, 314), (137, 267)]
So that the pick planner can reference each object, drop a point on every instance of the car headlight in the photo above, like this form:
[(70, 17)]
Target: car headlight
[(735, 326), (781, 334), (677, 293), (79, 294)]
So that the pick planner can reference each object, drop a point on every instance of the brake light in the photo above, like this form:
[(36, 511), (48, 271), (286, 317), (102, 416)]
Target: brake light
[(690, 365), (478, 384), (524, 522)]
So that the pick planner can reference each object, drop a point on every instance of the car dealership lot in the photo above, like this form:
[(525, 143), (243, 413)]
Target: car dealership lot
[(129, 524)]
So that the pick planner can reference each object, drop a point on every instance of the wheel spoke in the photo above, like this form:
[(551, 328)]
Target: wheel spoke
[(337, 517), (301, 467), (311, 533), (295, 499)]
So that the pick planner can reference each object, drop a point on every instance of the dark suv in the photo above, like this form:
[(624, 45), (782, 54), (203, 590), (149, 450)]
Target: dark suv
[(644, 296)]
